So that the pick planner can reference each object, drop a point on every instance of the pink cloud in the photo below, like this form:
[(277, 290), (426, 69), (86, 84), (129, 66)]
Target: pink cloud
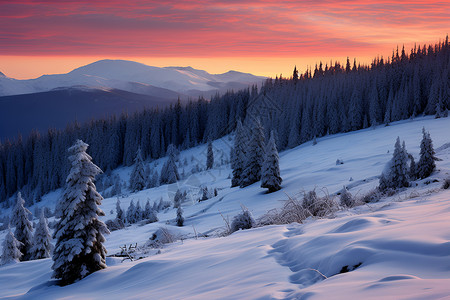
[(216, 28)]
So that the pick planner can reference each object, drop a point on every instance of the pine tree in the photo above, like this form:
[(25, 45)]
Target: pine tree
[(396, 176), (42, 245), (412, 167), (426, 164), (270, 177), (180, 218), (119, 211), (131, 213), (137, 177), (149, 213), (24, 228), (79, 233), (169, 171), (209, 156), (254, 155), (11, 246), (238, 155), (177, 199), (138, 212)]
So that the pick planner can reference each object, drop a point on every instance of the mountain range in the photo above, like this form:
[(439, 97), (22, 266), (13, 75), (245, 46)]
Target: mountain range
[(134, 77), (104, 88)]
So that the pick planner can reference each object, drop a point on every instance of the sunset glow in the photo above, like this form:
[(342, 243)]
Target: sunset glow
[(262, 37)]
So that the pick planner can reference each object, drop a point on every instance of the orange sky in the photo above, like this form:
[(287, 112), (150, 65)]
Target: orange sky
[(263, 37)]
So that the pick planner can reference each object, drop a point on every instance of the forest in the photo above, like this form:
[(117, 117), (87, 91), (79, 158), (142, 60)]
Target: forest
[(329, 99)]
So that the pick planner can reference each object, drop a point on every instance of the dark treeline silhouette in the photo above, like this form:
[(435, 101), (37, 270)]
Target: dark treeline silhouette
[(328, 100)]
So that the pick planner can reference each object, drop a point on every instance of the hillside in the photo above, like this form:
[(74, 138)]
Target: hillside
[(57, 108), (398, 246)]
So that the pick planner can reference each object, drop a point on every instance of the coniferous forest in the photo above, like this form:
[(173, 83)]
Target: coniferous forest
[(330, 99)]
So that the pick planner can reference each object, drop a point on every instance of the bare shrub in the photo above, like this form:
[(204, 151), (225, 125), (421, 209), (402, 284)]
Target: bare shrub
[(295, 210), (346, 198), (318, 206), (372, 196)]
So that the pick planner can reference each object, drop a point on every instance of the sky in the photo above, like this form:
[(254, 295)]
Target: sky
[(263, 37)]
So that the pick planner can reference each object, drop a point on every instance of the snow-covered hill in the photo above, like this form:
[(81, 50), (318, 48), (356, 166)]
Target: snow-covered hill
[(133, 77), (396, 248)]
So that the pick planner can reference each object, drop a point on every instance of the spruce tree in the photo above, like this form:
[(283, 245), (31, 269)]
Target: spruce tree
[(270, 177), (119, 212), (169, 171), (79, 233), (42, 245), (397, 174), (254, 155), (426, 164), (138, 212), (137, 177), (238, 155), (209, 156), (24, 227), (131, 213), (180, 218), (177, 199), (11, 246), (149, 213)]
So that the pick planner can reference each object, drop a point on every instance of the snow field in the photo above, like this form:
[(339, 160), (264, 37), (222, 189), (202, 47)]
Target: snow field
[(398, 248)]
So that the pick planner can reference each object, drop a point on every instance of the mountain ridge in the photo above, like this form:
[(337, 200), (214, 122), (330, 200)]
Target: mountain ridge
[(132, 76)]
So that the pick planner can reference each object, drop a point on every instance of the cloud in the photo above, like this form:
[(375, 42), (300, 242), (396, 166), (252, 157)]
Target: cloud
[(216, 28)]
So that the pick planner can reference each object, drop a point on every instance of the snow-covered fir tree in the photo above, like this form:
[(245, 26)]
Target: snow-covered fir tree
[(396, 173), (24, 228), (209, 156), (119, 211), (169, 171), (138, 212), (254, 155), (11, 249), (238, 154), (412, 167), (137, 177), (149, 213), (117, 187), (131, 213), (426, 164), (79, 233), (177, 199), (270, 177), (42, 240), (180, 218)]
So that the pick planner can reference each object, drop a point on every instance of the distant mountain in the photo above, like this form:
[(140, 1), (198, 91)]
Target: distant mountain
[(56, 108), (136, 78), (2, 75)]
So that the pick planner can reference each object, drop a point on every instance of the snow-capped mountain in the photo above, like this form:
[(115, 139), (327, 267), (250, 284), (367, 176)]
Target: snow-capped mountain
[(133, 77)]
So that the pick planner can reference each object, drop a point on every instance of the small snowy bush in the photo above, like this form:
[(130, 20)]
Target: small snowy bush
[(346, 198), (160, 237), (446, 184), (243, 220)]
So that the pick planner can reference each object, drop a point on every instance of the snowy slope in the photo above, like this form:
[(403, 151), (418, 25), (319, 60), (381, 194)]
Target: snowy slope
[(133, 77), (401, 244)]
